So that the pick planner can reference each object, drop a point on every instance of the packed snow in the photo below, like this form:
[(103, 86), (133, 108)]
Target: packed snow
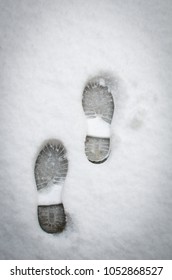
[(122, 208)]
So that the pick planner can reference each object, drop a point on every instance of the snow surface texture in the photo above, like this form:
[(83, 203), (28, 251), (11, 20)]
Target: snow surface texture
[(122, 208)]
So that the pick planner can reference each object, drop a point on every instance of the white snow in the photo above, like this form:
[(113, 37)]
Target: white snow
[(50, 195), (120, 209), (97, 127)]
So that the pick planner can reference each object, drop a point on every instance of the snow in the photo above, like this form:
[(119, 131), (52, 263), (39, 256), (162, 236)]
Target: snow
[(120, 209), (97, 127), (50, 195)]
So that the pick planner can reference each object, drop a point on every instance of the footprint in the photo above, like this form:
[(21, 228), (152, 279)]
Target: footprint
[(51, 168), (138, 120), (98, 105)]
